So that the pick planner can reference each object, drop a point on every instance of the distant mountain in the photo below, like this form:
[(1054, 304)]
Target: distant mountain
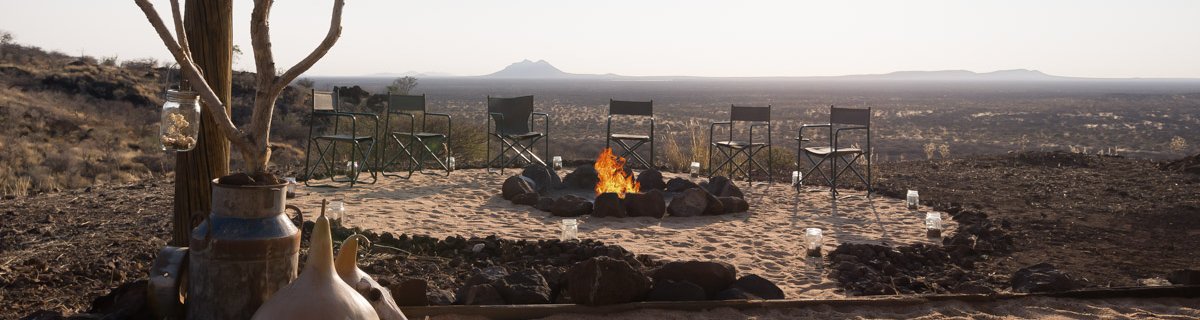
[(530, 69)]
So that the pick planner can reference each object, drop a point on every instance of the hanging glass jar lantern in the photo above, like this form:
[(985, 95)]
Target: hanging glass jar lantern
[(180, 124)]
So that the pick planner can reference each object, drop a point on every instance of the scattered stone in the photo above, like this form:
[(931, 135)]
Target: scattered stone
[(609, 205), (734, 204), (735, 294), (722, 187), (411, 292), (439, 297), (571, 206), (651, 180), (604, 280), (584, 177), (543, 177), (528, 199), (648, 204), (516, 185), (480, 294), (711, 275), (545, 204), (676, 291), (680, 184), (1042, 277), (1184, 277), (524, 287), (758, 286)]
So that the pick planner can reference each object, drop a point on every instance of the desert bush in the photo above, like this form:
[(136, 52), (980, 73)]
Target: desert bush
[(944, 150), (1178, 144)]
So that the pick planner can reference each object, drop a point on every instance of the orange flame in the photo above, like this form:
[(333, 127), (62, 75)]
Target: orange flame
[(611, 170)]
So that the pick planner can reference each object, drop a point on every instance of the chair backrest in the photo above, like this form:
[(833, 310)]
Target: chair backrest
[(401, 102), (322, 100), (849, 116), (739, 113), (632, 108), (517, 112)]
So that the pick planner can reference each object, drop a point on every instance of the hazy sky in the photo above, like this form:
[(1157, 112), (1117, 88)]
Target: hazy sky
[(1096, 38)]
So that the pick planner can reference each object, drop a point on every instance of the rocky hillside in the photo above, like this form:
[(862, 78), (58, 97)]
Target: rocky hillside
[(70, 122)]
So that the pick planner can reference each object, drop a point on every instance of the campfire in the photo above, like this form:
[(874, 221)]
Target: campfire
[(613, 178)]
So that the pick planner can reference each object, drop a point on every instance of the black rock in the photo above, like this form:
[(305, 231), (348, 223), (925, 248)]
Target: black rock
[(543, 177), (648, 204), (524, 287), (584, 177), (651, 180), (411, 292), (1184, 277), (680, 184), (545, 204), (528, 199), (571, 206), (758, 286), (722, 187), (480, 294), (734, 204), (604, 280), (609, 205), (439, 297), (711, 275), (973, 287), (735, 294), (676, 291), (1042, 277), (516, 185), (691, 203)]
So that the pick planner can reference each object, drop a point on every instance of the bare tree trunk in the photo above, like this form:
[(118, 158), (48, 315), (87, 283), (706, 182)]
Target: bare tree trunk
[(209, 29)]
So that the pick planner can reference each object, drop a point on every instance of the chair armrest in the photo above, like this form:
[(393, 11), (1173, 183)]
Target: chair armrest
[(800, 134), (713, 127), (448, 121), (364, 114), (545, 121)]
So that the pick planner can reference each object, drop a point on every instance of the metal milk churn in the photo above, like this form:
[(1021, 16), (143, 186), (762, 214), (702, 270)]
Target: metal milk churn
[(243, 253)]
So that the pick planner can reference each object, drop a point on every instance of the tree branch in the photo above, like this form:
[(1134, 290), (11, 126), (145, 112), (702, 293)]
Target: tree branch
[(260, 41), (179, 31), (335, 32), (192, 73)]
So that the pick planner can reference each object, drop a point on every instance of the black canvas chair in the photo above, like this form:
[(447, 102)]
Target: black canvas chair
[(729, 149), (631, 108), (325, 110), (511, 123), (840, 157), (413, 145)]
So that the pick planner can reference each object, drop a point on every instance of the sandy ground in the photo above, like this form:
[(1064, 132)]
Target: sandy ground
[(767, 240), (1023, 308)]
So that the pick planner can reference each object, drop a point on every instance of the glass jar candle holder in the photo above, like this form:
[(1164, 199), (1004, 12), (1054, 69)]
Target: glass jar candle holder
[(291, 187), (933, 224), (556, 162), (450, 163), (352, 168), (570, 230), (797, 178), (180, 124), (813, 241), (336, 212), (694, 169), (913, 199)]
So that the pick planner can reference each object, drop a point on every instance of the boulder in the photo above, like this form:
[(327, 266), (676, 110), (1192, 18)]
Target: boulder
[(411, 292), (1042, 277), (571, 206), (1184, 277), (524, 287), (711, 275), (723, 187), (651, 180), (545, 204), (543, 177), (691, 203), (609, 205), (647, 204), (604, 280), (758, 286), (734, 204), (516, 185), (439, 297), (676, 291), (736, 294), (480, 294), (528, 199), (680, 184), (584, 177)]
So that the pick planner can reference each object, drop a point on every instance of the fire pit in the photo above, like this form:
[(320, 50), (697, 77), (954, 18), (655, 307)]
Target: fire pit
[(606, 188)]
